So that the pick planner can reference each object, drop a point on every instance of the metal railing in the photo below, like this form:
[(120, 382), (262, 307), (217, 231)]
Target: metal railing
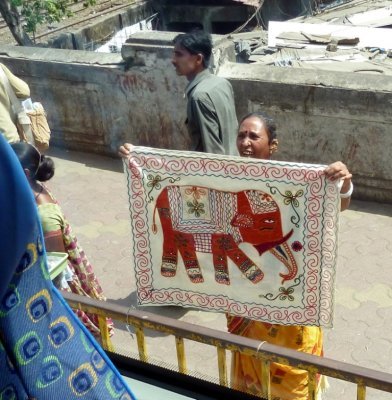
[(267, 353)]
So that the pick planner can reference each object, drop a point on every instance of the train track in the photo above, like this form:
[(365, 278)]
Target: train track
[(99, 9)]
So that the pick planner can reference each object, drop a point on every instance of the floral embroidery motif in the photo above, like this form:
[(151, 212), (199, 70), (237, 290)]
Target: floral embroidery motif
[(195, 208), (196, 192), (289, 199), (154, 182), (284, 293)]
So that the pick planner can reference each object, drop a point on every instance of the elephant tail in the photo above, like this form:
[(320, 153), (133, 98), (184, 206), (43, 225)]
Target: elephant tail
[(154, 225)]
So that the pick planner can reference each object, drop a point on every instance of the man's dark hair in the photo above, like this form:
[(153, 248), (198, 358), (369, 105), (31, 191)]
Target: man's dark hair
[(196, 42)]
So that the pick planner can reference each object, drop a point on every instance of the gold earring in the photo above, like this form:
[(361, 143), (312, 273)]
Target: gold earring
[(274, 146)]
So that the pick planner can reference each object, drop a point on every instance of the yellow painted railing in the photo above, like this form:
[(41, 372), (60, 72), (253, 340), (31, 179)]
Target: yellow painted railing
[(267, 353)]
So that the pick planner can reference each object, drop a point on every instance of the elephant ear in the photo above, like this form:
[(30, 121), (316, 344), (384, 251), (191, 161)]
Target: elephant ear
[(243, 221)]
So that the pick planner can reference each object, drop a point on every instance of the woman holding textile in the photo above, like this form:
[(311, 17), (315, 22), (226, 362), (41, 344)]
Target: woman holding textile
[(79, 277), (257, 139)]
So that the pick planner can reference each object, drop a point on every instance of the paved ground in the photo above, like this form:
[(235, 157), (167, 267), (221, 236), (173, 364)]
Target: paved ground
[(91, 190)]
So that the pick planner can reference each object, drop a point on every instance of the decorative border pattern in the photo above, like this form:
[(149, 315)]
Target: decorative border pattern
[(321, 224)]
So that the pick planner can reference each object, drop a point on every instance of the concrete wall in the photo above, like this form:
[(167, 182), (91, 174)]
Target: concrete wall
[(102, 28), (94, 105), (323, 117)]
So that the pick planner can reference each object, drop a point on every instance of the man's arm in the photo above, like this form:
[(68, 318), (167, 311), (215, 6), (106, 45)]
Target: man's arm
[(204, 112), (21, 88)]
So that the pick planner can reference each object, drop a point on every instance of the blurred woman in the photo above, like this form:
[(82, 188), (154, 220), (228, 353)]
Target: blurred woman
[(79, 277)]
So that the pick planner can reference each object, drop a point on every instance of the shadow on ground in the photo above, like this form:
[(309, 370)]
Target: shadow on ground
[(371, 207), (113, 164)]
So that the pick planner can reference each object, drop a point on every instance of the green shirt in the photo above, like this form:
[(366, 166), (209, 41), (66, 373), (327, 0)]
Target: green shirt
[(212, 121), (51, 217)]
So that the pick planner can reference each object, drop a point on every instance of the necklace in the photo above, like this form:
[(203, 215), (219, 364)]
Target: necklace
[(40, 191)]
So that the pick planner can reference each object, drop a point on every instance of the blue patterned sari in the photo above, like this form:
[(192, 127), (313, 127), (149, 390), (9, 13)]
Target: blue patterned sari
[(45, 352)]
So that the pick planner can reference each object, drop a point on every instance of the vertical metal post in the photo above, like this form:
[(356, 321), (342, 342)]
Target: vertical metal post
[(222, 366), (103, 328), (361, 391), (265, 379), (312, 384), (181, 360), (141, 343)]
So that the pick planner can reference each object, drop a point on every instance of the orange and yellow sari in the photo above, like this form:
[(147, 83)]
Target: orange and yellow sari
[(287, 383)]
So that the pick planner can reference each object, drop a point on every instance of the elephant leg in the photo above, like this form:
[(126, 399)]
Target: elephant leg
[(284, 254), (219, 259), (169, 250), (169, 258), (186, 246), (245, 264)]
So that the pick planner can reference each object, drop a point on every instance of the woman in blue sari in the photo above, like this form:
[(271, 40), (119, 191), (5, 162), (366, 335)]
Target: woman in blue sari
[(45, 352)]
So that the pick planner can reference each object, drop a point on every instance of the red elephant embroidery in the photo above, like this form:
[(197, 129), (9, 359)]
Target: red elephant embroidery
[(197, 219)]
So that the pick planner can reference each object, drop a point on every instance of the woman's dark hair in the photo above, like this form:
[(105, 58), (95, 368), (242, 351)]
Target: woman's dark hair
[(269, 123), (40, 166), (196, 42)]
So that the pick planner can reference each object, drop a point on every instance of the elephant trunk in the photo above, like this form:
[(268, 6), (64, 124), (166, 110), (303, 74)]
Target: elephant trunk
[(283, 253)]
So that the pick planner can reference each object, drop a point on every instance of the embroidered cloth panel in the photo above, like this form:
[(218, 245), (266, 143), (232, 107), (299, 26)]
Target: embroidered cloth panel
[(249, 237)]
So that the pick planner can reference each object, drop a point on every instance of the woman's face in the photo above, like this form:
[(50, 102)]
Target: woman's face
[(252, 139)]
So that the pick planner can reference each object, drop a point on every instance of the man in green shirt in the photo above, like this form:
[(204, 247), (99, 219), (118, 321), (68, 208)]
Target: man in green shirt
[(211, 117)]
